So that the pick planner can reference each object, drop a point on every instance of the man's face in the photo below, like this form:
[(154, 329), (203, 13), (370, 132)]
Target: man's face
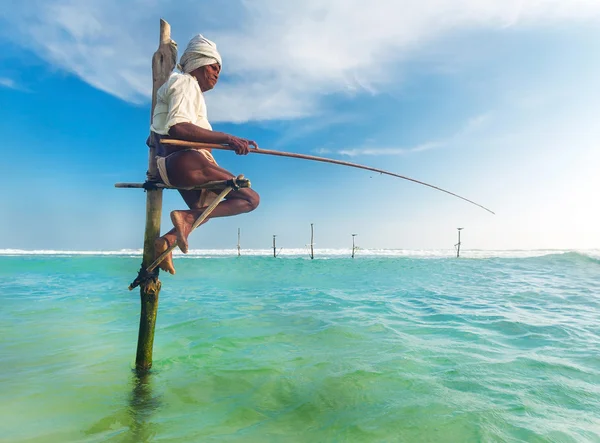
[(208, 76)]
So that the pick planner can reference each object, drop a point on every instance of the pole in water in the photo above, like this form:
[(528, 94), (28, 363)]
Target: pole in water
[(274, 247), (312, 252), (238, 246), (457, 246), (353, 247), (163, 62)]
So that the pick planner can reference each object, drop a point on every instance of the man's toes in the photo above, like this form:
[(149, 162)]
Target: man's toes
[(167, 267), (182, 243)]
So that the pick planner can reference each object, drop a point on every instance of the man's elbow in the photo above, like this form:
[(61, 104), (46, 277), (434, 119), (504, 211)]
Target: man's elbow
[(175, 131)]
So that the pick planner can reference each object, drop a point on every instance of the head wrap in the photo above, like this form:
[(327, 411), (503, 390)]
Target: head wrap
[(200, 51)]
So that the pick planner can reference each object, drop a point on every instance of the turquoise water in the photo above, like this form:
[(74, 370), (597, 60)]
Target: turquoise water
[(256, 349)]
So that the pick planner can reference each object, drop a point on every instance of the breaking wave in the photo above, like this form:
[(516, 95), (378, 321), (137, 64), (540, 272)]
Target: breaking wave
[(590, 254)]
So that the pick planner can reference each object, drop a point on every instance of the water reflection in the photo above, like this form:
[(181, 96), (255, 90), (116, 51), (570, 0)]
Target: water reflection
[(133, 421), (142, 404)]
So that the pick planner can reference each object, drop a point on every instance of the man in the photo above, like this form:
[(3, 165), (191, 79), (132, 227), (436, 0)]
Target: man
[(180, 113)]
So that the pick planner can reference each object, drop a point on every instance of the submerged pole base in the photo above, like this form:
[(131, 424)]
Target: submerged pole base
[(149, 290)]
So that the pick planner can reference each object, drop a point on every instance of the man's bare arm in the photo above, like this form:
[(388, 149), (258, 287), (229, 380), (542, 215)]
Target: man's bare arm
[(193, 133)]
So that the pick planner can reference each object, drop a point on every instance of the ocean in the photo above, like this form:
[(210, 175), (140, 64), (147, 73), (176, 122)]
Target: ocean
[(391, 346)]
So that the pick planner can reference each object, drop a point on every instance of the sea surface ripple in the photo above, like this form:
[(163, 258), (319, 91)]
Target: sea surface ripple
[(258, 349)]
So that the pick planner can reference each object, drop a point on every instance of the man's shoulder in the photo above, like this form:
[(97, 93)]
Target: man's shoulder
[(181, 81)]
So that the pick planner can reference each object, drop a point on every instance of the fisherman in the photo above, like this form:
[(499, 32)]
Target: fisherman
[(180, 113)]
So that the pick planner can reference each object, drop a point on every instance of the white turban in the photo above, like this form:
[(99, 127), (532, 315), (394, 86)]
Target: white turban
[(200, 51)]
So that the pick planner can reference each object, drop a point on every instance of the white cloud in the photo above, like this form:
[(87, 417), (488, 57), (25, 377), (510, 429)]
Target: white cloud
[(8, 83), (472, 126), (355, 152), (475, 123), (280, 57)]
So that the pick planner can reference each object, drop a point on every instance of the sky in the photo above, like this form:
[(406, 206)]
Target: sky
[(494, 100)]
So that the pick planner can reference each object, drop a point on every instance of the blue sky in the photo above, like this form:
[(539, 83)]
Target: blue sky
[(493, 100)]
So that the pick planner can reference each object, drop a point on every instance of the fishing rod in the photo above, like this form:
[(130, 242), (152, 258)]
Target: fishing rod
[(314, 158)]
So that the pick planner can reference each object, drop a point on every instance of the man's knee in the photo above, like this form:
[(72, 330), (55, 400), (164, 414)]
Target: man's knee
[(254, 200)]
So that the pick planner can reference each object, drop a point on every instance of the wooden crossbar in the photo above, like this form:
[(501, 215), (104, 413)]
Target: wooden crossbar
[(212, 185)]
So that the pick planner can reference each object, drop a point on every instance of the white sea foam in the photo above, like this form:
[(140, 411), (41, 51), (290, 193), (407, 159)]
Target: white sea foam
[(122, 252), (319, 253)]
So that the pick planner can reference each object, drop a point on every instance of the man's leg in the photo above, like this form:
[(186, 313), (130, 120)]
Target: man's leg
[(187, 169), (161, 244), (236, 202)]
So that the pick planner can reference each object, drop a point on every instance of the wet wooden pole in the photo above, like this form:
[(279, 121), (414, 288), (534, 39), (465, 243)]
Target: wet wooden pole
[(274, 247), (238, 246), (458, 244), (353, 247), (163, 62), (312, 237)]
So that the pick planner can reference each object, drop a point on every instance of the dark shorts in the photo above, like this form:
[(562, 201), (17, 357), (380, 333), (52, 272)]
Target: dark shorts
[(154, 140)]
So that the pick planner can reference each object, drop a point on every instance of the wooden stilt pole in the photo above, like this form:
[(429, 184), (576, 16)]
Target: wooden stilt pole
[(353, 248), (238, 247), (312, 237), (274, 247), (163, 63), (458, 244)]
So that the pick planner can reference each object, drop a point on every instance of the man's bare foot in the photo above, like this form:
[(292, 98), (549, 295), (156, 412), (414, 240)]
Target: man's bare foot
[(183, 228), (160, 246)]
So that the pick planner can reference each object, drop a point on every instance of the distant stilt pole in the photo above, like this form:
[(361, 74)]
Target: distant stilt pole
[(457, 246), (353, 247), (274, 247), (163, 62), (312, 237), (239, 243)]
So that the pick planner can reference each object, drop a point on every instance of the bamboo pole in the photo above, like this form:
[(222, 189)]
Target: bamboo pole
[(212, 185), (163, 62), (317, 159)]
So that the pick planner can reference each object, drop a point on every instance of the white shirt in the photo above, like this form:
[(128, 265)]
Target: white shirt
[(179, 100)]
